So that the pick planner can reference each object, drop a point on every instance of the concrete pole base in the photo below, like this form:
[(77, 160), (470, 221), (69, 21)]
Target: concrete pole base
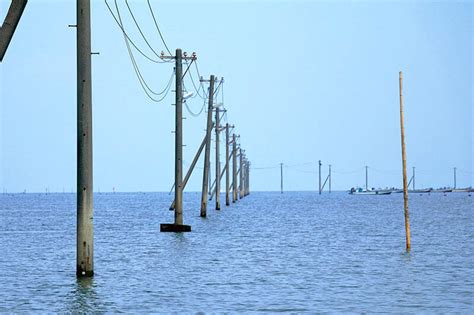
[(171, 227)]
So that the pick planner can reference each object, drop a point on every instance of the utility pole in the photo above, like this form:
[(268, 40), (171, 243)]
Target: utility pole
[(320, 177), (281, 178), (241, 195), (366, 178), (227, 175), (413, 178), (218, 163), (178, 225), (330, 177), (247, 177), (234, 169), (85, 209), (404, 164), (207, 152), (454, 178)]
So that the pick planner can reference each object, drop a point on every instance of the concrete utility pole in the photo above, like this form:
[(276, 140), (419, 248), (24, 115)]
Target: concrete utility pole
[(413, 178), (247, 178), (366, 178), (330, 178), (227, 175), (234, 169), (281, 178), (9, 25), (404, 164), (320, 188), (454, 178), (207, 152), (178, 225), (218, 163), (85, 209), (241, 194)]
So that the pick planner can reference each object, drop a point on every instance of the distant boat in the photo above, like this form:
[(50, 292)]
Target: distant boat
[(463, 190), (360, 191), (420, 191), (442, 190)]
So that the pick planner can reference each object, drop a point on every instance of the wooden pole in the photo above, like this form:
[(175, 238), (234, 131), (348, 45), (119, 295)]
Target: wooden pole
[(85, 210), (404, 164), (281, 178), (241, 193)]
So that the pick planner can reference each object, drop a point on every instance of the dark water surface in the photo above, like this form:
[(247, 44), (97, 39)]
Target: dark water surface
[(293, 252)]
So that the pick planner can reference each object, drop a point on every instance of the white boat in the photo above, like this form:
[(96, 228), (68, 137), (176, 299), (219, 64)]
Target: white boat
[(360, 191)]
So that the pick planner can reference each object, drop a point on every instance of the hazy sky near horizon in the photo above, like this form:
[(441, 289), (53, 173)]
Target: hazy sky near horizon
[(304, 81)]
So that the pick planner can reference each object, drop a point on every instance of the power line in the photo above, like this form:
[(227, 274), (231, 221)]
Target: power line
[(139, 29), (142, 81), (157, 28), (120, 25), (194, 84), (200, 111)]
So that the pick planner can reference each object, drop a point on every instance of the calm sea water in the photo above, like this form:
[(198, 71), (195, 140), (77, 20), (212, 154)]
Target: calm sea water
[(293, 252)]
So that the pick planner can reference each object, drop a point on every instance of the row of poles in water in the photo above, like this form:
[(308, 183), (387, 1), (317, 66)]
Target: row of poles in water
[(241, 167), (321, 183), (85, 227)]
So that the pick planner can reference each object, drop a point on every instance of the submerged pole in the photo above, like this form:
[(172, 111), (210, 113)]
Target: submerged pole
[(234, 169), (178, 225), (227, 175), (241, 193), (281, 178), (404, 165), (366, 178), (413, 178), (85, 210), (218, 163), (178, 162), (320, 188), (454, 178), (247, 177), (330, 178), (207, 152)]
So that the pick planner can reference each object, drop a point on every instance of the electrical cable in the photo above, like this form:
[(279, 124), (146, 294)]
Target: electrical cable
[(158, 29), (139, 29), (194, 84), (137, 70), (129, 39)]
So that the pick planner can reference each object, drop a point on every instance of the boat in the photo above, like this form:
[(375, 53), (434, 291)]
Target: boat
[(463, 189), (360, 191), (442, 190), (420, 191)]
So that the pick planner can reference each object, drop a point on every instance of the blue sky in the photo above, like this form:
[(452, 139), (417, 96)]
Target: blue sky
[(304, 81)]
